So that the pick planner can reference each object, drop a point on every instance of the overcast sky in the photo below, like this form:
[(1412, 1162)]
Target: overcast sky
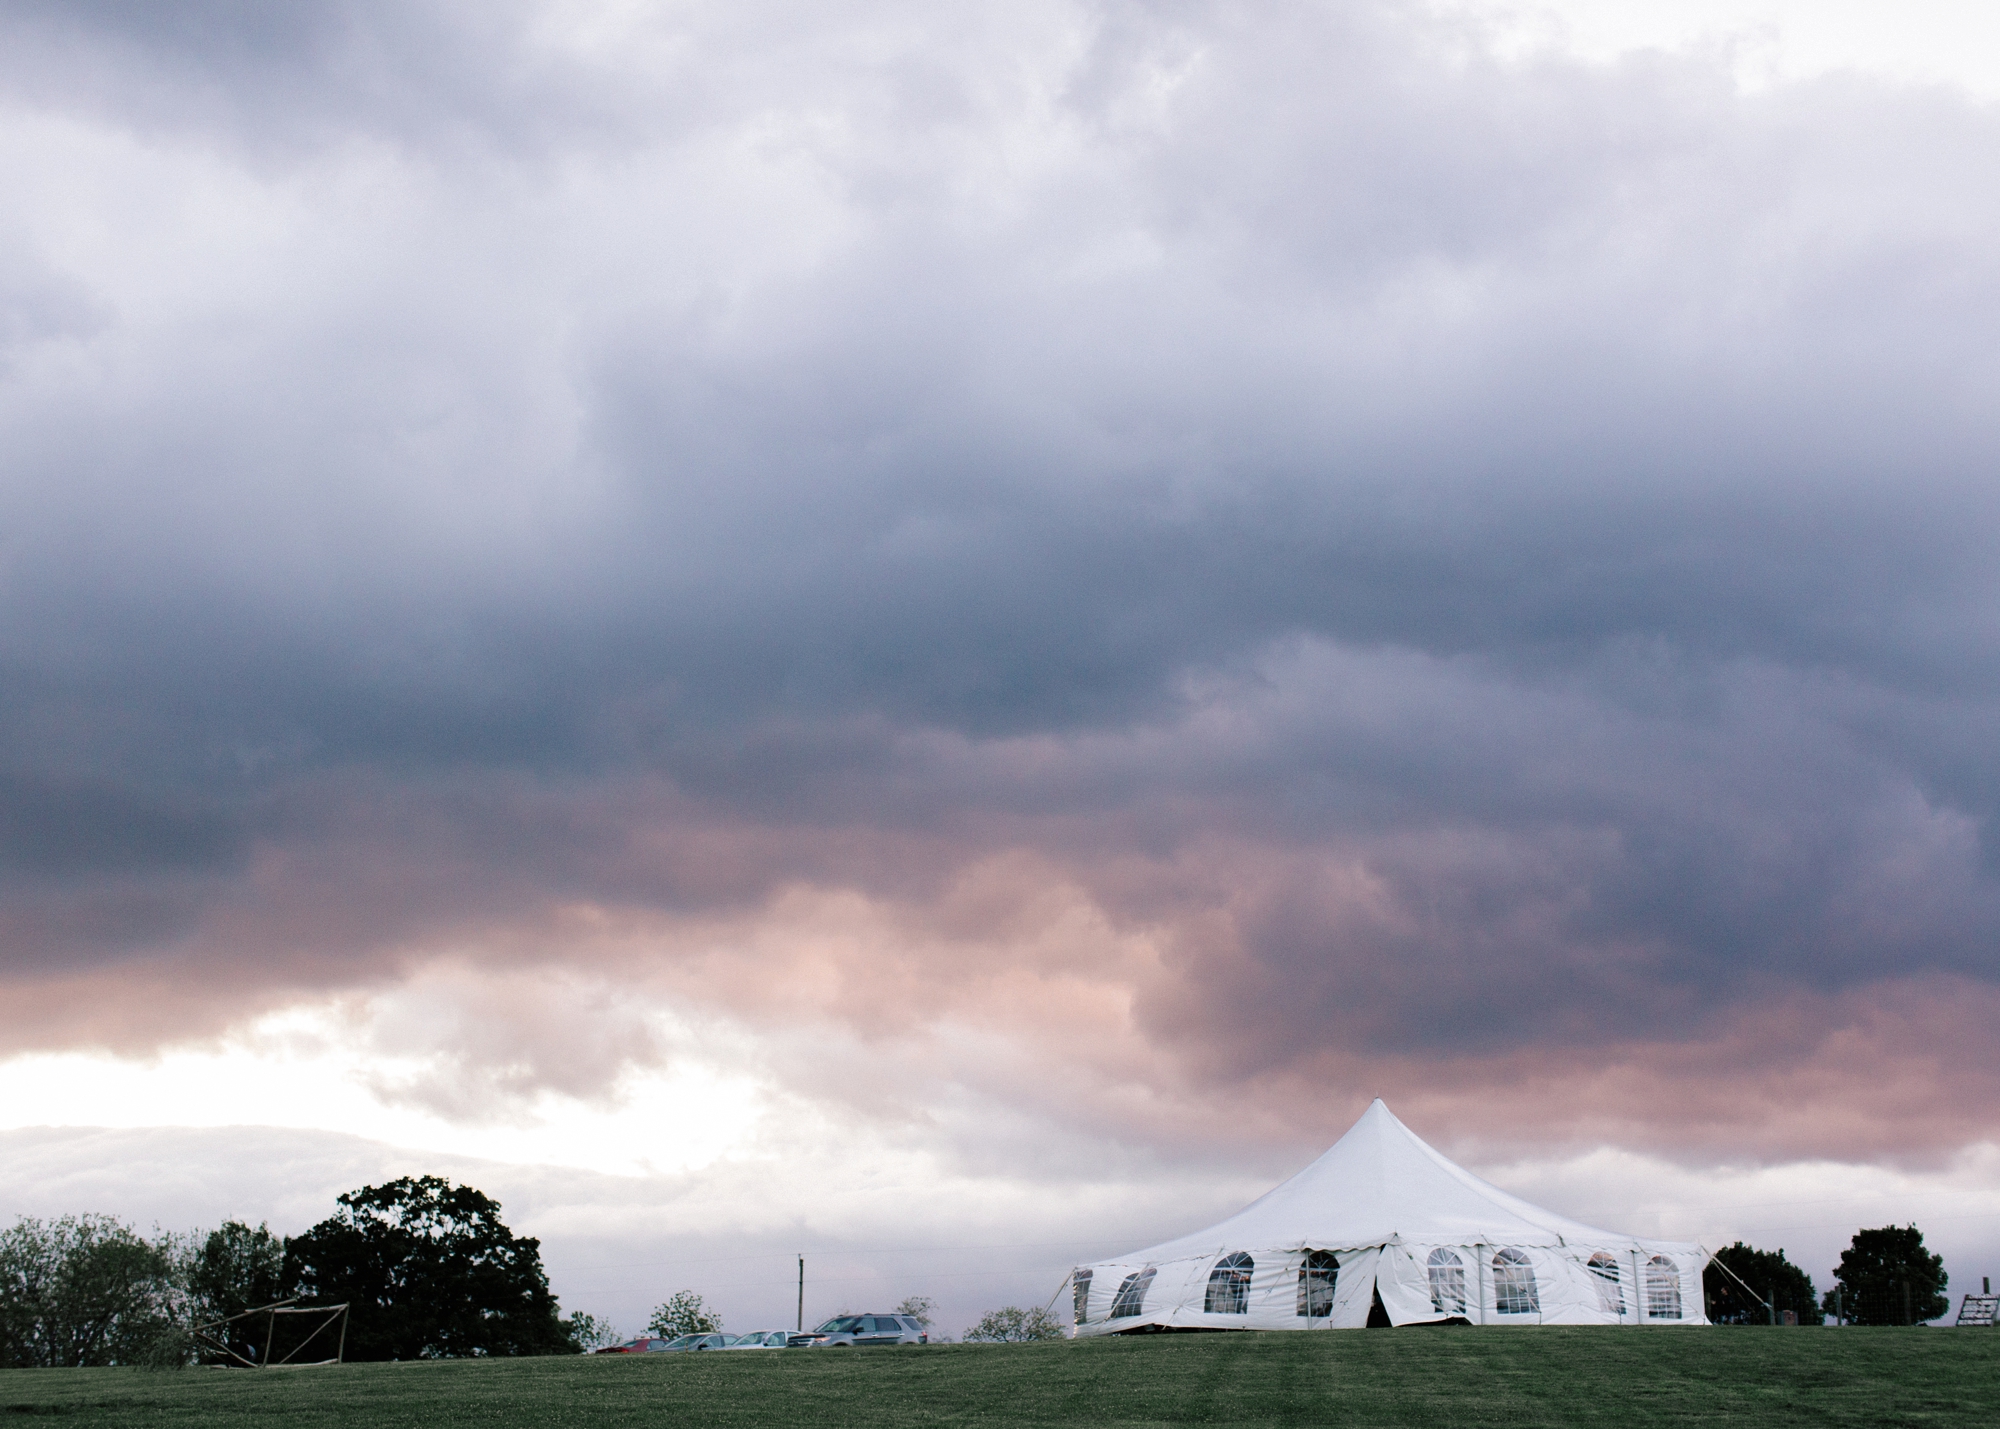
[(895, 627)]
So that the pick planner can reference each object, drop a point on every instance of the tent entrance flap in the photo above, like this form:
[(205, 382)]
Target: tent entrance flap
[(1404, 1283), (1354, 1290)]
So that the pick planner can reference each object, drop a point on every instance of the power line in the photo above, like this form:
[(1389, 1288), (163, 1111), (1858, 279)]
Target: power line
[(1835, 1200), (818, 1280), (855, 1250), (1837, 1225)]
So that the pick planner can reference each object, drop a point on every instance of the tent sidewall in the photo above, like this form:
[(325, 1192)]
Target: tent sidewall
[(1565, 1290)]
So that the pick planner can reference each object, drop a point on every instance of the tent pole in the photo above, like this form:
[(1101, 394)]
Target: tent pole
[(1479, 1263), (1768, 1305)]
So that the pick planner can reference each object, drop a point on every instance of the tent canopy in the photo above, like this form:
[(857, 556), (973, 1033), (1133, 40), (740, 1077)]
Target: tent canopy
[(1383, 1217)]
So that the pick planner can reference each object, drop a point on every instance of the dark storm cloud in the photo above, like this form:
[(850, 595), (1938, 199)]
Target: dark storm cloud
[(277, 77), (58, 828), (1482, 556)]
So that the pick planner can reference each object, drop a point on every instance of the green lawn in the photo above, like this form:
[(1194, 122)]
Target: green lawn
[(1432, 1377)]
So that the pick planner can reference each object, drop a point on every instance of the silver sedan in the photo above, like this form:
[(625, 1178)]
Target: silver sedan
[(763, 1340)]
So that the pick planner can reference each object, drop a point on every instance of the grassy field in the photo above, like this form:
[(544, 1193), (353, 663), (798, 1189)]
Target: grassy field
[(1446, 1377)]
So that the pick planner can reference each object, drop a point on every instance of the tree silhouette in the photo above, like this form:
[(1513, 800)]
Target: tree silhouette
[(431, 1272), (1886, 1277)]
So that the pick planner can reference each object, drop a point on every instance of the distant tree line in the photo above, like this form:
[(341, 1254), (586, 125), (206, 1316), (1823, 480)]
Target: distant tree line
[(429, 1270), (1885, 1277)]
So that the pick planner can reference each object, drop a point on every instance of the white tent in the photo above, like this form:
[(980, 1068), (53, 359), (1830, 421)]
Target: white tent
[(1383, 1223)]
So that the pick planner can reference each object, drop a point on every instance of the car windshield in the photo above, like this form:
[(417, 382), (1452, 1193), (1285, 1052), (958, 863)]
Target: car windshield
[(682, 1342), (841, 1325)]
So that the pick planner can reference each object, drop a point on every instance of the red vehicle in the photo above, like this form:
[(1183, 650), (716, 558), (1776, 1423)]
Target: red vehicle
[(645, 1344)]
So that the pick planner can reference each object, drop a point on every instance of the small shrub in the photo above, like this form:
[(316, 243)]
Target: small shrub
[(589, 1332), (684, 1314), (1011, 1325)]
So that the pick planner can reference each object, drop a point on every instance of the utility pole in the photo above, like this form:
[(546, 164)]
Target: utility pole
[(802, 1292)]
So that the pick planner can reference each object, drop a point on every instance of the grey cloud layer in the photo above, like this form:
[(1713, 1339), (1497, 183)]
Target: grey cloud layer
[(502, 449)]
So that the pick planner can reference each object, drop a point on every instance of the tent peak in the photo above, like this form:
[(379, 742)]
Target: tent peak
[(1378, 1114)]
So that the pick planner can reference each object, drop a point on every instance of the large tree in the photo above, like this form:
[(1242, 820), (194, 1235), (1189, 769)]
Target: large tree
[(82, 1290), (1774, 1279), (431, 1272), (1886, 1277)]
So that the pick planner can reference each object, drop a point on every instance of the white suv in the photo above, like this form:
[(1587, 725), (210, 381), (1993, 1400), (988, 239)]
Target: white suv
[(846, 1331)]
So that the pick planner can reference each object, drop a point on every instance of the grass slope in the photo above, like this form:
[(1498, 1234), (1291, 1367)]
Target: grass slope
[(1627, 1378)]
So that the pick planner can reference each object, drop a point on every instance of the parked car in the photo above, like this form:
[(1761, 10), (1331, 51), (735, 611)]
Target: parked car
[(703, 1342), (763, 1340), (847, 1331), (644, 1345)]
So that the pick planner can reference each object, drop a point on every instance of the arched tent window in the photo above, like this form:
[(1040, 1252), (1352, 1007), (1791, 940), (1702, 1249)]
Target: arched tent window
[(1229, 1285), (1514, 1290), (1082, 1288), (1663, 1289), (1447, 1276), (1603, 1268), (1131, 1297), (1316, 1282)]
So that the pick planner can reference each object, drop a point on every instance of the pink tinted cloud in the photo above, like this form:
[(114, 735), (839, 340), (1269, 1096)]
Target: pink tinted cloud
[(1226, 989)]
